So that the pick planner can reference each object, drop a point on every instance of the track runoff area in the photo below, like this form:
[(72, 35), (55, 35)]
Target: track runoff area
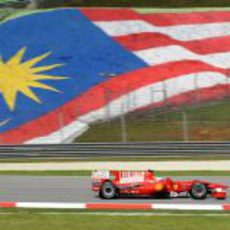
[(74, 192)]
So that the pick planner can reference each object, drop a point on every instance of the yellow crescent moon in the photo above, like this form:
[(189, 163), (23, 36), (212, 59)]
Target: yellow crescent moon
[(4, 122)]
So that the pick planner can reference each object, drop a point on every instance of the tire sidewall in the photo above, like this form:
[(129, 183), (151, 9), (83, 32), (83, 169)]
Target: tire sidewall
[(110, 193), (198, 196)]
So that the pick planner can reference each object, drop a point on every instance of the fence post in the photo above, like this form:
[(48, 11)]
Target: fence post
[(123, 125), (185, 125), (196, 88), (107, 96), (107, 105), (61, 125)]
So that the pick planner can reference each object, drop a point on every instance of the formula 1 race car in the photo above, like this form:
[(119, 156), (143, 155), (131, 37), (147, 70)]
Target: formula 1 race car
[(113, 184)]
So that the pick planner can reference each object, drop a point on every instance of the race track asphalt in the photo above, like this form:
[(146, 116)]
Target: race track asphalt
[(77, 189)]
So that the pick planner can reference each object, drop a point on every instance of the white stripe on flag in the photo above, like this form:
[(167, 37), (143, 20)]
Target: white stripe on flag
[(179, 32), (166, 54)]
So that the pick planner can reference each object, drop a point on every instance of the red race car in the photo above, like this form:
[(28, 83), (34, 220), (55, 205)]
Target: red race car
[(112, 184)]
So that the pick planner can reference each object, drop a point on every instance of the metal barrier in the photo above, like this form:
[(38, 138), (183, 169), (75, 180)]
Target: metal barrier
[(136, 149)]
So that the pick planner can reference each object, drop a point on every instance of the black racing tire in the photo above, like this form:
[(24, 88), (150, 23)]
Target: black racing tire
[(198, 191), (108, 191)]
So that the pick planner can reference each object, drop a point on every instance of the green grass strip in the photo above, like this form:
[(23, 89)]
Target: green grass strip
[(207, 122), (180, 10), (112, 159), (154, 3), (20, 13), (36, 221), (88, 173)]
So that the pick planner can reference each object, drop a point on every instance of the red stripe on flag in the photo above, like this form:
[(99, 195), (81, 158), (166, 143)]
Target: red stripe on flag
[(158, 19), (171, 19), (118, 206), (110, 14), (135, 42), (117, 86), (8, 204)]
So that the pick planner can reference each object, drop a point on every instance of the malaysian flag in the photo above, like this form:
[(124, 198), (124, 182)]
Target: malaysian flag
[(61, 70)]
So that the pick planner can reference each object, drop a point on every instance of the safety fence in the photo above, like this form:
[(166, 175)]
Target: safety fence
[(136, 149)]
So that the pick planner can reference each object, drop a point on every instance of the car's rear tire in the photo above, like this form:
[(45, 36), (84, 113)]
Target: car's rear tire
[(198, 191), (107, 191)]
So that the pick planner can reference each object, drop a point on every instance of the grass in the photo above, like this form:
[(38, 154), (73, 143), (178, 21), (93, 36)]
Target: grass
[(136, 3), (210, 122), (113, 159), (28, 220), (105, 212), (180, 10), (88, 173)]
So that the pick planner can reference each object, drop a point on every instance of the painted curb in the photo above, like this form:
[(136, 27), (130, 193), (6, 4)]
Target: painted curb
[(115, 206)]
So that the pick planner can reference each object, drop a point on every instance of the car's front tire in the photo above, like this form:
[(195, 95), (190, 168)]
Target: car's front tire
[(107, 191), (198, 191)]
